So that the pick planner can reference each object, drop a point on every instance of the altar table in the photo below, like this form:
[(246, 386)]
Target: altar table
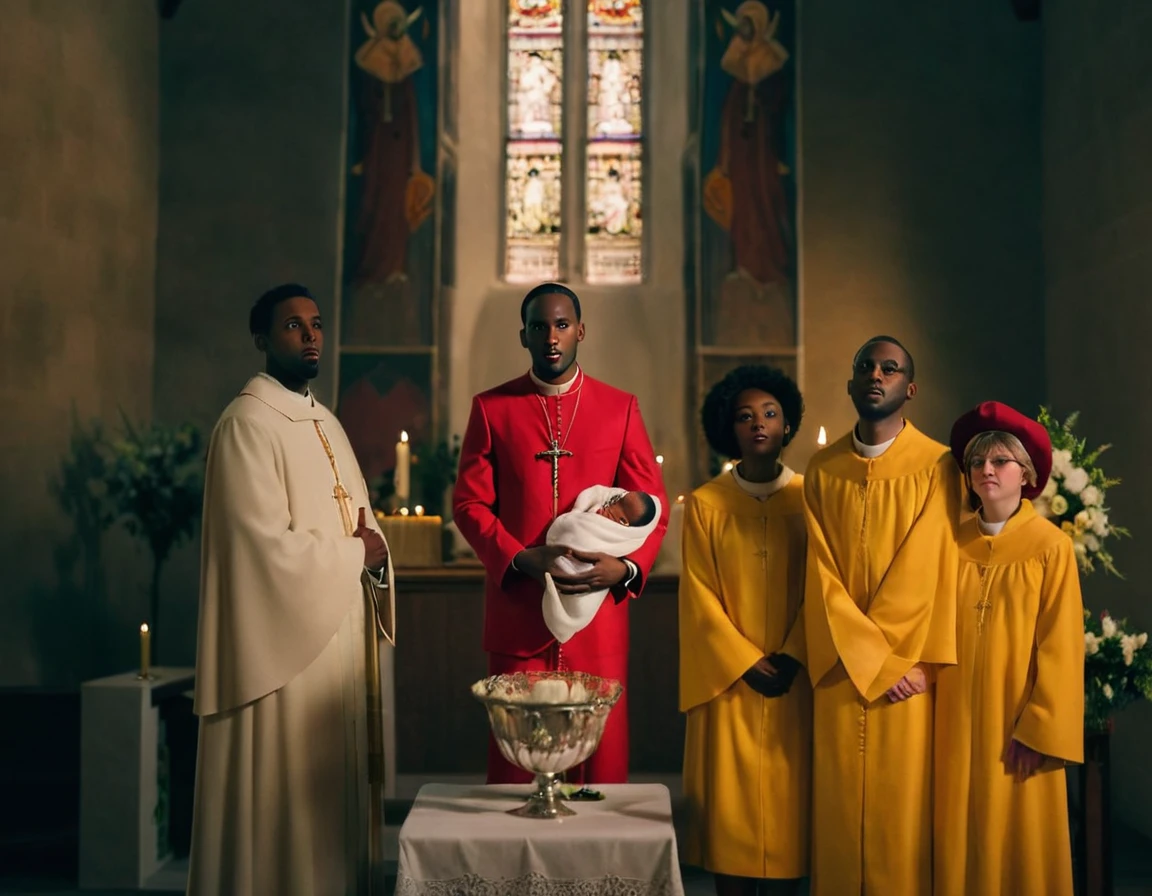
[(458, 840)]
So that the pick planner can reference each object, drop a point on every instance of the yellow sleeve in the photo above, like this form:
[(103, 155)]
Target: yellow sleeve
[(915, 605), (835, 627), (713, 652), (1052, 722)]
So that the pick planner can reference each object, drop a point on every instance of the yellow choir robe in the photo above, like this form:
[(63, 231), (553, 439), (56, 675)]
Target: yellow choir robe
[(879, 598), (746, 757), (1020, 644)]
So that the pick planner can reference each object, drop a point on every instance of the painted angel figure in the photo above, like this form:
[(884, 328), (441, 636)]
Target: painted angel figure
[(397, 194), (744, 193)]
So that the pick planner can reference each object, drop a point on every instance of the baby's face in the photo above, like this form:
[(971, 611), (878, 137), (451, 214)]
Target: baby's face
[(625, 510)]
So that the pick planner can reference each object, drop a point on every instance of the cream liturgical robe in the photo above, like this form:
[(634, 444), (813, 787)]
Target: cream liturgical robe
[(746, 757), (1020, 676), (283, 767), (879, 598)]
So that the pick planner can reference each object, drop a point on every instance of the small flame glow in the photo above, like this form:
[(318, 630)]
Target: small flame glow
[(144, 629), (419, 510), (403, 511), (679, 499), (660, 458), (822, 437), (403, 435), (728, 467)]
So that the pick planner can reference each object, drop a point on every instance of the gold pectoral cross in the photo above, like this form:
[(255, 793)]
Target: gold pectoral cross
[(554, 454), (372, 689)]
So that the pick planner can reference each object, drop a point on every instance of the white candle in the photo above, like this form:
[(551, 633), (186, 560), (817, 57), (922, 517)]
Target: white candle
[(822, 437), (402, 481), (145, 650)]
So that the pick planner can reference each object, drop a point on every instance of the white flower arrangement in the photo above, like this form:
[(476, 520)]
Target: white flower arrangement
[(1074, 495), (1117, 669), (1117, 663)]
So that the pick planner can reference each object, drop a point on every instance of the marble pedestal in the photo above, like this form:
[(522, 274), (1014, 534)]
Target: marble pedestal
[(123, 794)]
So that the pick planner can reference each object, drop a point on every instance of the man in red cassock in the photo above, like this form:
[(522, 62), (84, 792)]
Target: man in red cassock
[(532, 445)]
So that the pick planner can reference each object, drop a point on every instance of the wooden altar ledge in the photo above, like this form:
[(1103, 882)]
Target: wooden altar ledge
[(442, 729)]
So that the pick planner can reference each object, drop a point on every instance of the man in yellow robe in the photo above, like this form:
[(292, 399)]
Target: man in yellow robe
[(881, 506), (287, 681), (748, 741), (1010, 714)]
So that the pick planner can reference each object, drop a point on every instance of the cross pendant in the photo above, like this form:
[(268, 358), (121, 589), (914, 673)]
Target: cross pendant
[(341, 497), (982, 606), (554, 454)]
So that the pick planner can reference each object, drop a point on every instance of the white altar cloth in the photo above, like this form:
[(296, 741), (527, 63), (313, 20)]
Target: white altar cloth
[(458, 840)]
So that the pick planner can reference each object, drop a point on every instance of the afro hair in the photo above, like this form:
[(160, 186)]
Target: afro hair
[(720, 404)]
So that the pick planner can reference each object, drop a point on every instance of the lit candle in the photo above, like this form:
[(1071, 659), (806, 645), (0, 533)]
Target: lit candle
[(401, 479), (728, 467), (822, 437), (679, 499), (660, 459), (145, 650), (419, 510), (403, 511)]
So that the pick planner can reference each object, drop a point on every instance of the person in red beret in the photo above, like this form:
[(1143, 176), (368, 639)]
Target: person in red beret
[(882, 504), (1010, 714)]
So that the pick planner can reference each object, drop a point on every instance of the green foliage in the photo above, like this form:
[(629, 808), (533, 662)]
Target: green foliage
[(80, 486), (156, 483)]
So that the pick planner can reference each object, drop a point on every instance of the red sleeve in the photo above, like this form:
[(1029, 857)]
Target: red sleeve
[(474, 498), (638, 471)]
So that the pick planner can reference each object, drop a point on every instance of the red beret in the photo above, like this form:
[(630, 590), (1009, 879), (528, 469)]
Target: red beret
[(992, 415)]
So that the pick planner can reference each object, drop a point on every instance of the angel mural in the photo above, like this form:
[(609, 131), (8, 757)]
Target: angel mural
[(396, 194), (744, 194)]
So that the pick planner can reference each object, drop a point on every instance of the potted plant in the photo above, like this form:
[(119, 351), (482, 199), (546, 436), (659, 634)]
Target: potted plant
[(155, 479)]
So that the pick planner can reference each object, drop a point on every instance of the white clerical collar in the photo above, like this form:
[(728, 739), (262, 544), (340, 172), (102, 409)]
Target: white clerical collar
[(306, 398), (990, 528), (872, 450), (762, 490), (555, 388)]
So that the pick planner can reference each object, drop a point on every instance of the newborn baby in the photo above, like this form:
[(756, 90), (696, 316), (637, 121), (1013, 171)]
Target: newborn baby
[(602, 519)]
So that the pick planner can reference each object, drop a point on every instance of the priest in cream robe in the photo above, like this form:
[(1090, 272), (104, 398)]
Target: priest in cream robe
[(882, 504), (290, 765), (748, 742), (1010, 714)]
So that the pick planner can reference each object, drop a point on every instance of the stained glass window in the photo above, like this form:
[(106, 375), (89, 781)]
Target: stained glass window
[(534, 134), (536, 213), (615, 141)]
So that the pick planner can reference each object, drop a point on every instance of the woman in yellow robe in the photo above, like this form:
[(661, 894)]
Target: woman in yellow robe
[(748, 743), (1011, 713)]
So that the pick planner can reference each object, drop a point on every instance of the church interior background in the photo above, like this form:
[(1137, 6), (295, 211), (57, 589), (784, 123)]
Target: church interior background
[(971, 179)]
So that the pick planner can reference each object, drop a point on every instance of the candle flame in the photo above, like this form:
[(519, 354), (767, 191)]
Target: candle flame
[(679, 499), (728, 467), (659, 458), (822, 437), (403, 511), (403, 435), (144, 629), (419, 510)]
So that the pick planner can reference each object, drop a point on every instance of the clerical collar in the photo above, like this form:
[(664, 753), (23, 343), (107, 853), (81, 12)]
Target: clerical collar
[(990, 528), (762, 490), (306, 398), (873, 450), (553, 388)]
